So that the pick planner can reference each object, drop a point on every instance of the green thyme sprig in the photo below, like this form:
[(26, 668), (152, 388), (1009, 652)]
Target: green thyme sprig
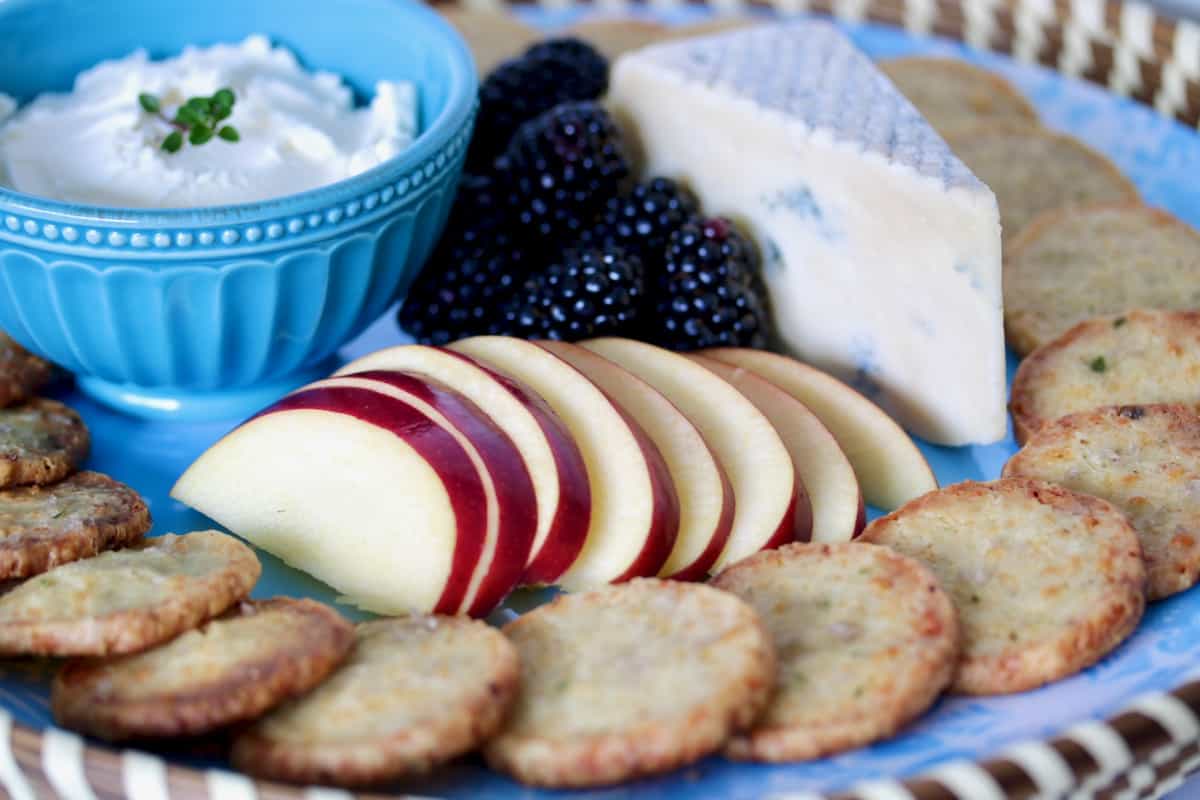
[(199, 119)]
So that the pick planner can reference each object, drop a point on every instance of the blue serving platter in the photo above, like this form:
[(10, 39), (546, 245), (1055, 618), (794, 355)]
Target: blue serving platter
[(1163, 158)]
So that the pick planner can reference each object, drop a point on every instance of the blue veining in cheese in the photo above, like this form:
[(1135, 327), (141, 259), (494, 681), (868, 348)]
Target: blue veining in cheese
[(881, 249)]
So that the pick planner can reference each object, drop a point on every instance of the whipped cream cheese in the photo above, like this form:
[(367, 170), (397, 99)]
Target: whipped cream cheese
[(299, 130)]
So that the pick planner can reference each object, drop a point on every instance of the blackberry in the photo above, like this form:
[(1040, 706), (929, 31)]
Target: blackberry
[(709, 293), (463, 287), (551, 73), (589, 62), (563, 166), (583, 293), (643, 219)]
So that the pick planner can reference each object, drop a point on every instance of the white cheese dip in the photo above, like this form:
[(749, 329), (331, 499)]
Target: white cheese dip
[(299, 130)]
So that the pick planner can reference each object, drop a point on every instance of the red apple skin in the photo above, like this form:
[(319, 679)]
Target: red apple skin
[(860, 524), (664, 525), (438, 448), (699, 569), (514, 488), (568, 531)]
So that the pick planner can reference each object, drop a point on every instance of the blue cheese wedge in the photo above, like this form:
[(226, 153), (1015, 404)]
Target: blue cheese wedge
[(880, 248)]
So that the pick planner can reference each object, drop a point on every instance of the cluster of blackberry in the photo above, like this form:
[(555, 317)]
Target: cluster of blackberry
[(550, 238)]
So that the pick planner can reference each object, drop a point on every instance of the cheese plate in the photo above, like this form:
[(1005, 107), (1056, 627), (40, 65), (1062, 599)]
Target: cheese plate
[(1159, 155)]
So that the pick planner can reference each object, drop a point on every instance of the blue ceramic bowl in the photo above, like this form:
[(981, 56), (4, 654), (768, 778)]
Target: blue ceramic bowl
[(214, 312)]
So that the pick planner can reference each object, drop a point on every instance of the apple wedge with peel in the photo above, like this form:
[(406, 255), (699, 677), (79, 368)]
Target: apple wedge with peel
[(550, 454), (890, 468), (837, 504), (770, 503), (705, 495), (512, 503), (635, 511), (398, 509)]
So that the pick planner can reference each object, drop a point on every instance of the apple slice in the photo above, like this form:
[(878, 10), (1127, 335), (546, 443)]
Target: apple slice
[(705, 494), (770, 504), (837, 504), (512, 504), (365, 492), (551, 455), (890, 468), (635, 511)]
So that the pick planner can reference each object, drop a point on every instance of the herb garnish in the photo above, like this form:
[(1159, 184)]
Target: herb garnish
[(1099, 364), (200, 118)]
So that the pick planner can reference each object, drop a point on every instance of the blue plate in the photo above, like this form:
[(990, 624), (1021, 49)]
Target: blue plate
[(1162, 157)]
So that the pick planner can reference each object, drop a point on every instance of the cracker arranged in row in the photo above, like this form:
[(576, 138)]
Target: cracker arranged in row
[(41, 442), (630, 680), (414, 692), (865, 639), (42, 527), (232, 669), (493, 35), (1135, 358), (1145, 460), (1032, 170), (1046, 581), (952, 94), (1070, 265), (21, 372), (127, 600)]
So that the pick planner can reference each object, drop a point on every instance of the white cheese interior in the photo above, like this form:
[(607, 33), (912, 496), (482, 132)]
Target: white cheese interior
[(880, 249)]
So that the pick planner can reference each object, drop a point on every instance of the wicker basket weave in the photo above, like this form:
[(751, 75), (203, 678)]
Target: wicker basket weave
[(1144, 752)]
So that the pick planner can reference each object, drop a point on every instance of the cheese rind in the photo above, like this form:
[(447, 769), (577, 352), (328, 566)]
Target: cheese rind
[(880, 248)]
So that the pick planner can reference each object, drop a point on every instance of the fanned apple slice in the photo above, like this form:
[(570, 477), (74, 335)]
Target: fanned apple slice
[(890, 468), (770, 503), (705, 495), (512, 505), (360, 490), (635, 511), (837, 503), (551, 455)]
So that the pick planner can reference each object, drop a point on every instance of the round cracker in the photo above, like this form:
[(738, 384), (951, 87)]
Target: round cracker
[(230, 670), (1032, 170), (127, 600), (42, 527), (1046, 581), (414, 693), (631, 680), (952, 94), (21, 372), (1145, 460), (41, 442), (1070, 265), (613, 36), (1135, 358), (865, 638), (493, 36)]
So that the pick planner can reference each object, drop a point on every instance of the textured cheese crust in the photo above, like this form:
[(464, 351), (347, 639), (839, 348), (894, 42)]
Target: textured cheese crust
[(1070, 265), (951, 93), (1138, 357), (1046, 581), (1032, 170), (793, 132), (21, 372), (631, 680), (1145, 460), (230, 670), (414, 692), (127, 600), (41, 442), (42, 527), (865, 638)]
